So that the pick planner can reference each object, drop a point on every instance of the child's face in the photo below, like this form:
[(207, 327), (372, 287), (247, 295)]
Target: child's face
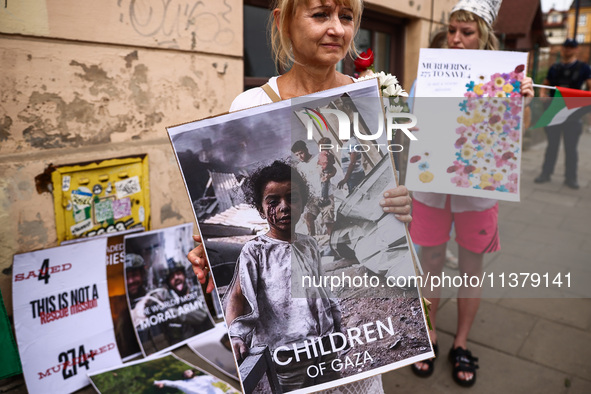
[(282, 207)]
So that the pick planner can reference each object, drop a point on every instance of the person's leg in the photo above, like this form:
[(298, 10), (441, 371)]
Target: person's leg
[(311, 212), (430, 228), (451, 261), (309, 219), (572, 133), (468, 297), (553, 136), (468, 300), (325, 185), (476, 233), (432, 260)]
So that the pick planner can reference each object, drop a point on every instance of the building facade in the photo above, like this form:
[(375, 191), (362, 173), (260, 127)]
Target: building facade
[(555, 26), (582, 33)]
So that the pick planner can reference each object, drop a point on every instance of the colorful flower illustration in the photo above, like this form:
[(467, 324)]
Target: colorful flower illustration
[(489, 135), (422, 161), (426, 176)]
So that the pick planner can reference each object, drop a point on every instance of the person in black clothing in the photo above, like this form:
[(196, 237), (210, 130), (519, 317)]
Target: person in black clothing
[(569, 73)]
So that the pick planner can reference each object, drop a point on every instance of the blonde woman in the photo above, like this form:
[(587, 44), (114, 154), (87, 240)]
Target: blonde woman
[(475, 219), (309, 38)]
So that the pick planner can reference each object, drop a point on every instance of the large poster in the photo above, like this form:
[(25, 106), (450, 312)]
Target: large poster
[(165, 374), (62, 317), (287, 200), (469, 110), (165, 299)]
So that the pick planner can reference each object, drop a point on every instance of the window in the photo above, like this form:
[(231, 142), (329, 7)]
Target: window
[(258, 63), (583, 20), (581, 38)]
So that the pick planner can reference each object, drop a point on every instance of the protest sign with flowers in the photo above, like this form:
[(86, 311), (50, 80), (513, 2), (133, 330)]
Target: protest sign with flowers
[(471, 115)]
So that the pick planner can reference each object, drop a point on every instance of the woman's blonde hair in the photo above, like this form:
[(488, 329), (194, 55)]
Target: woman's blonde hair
[(280, 42), (487, 38)]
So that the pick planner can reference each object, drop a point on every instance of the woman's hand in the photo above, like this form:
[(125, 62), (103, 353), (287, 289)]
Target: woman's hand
[(240, 349), (200, 264), (397, 201), (527, 87)]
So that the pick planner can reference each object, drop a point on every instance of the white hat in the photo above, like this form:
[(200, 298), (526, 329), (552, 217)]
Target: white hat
[(486, 9)]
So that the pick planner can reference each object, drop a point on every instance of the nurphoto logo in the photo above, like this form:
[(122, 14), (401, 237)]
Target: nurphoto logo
[(344, 124)]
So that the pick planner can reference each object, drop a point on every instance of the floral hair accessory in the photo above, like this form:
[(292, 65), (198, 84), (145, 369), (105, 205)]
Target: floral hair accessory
[(486, 9)]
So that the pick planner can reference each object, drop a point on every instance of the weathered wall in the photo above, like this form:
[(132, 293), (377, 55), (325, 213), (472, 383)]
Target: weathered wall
[(85, 81), (213, 26)]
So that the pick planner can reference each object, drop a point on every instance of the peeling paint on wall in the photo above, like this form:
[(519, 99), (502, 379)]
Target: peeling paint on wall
[(102, 101), (130, 58), (49, 115), (166, 212), (101, 83), (33, 231), (5, 124)]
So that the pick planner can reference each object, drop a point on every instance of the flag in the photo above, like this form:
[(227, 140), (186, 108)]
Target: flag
[(10, 363), (564, 105)]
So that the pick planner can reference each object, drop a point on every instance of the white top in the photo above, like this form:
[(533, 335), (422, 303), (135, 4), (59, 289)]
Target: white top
[(253, 97)]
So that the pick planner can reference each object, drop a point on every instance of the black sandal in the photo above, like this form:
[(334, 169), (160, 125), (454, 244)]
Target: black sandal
[(463, 361), (425, 373)]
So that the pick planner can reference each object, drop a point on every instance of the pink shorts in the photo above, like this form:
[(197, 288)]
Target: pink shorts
[(476, 231)]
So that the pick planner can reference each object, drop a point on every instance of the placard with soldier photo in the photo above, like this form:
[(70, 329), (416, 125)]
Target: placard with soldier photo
[(165, 298)]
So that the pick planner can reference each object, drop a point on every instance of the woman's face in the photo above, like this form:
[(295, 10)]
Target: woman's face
[(282, 207), (321, 34), (463, 35)]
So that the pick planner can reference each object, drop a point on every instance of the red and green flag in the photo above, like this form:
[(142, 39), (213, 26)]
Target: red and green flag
[(564, 105)]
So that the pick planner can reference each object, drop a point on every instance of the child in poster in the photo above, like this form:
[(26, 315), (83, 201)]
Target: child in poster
[(272, 317)]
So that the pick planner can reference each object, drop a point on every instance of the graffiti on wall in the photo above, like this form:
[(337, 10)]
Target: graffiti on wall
[(171, 20)]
